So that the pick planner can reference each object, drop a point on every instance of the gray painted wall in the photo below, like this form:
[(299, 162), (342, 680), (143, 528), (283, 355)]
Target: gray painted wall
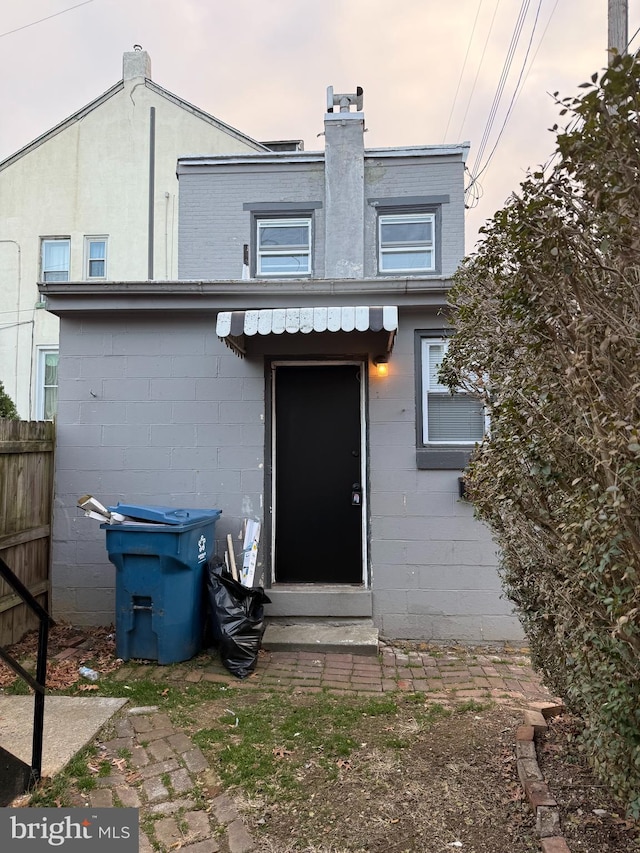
[(157, 410), (415, 177), (216, 226), (433, 565), (344, 195), (176, 419), (153, 408)]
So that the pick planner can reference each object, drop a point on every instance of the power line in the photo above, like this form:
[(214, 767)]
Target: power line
[(516, 92), (484, 50), (464, 65), (533, 58), (506, 68), (48, 18)]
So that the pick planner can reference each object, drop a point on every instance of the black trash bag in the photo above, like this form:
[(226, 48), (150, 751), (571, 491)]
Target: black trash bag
[(236, 619)]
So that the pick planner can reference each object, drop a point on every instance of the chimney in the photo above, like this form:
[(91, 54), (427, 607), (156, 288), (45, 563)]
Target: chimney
[(344, 186), (136, 63)]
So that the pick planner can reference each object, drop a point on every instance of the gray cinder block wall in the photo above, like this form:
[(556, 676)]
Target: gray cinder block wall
[(154, 411), (433, 565), (186, 428)]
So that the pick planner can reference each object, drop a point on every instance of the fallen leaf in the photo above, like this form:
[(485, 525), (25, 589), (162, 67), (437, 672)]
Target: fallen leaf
[(344, 763), (87, 687), (281, 752)]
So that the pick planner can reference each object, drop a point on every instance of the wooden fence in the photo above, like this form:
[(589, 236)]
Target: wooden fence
[(26, 494)]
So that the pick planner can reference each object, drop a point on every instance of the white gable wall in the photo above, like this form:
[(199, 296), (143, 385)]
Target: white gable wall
[(92, 178)]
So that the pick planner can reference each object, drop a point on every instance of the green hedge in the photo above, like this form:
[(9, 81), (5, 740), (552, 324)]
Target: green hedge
[(8, 410), (547, 317)]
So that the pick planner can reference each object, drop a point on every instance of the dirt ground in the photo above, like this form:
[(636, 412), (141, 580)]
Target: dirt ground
[(449, 785), (592, 821), (406, 786), (453, 787)]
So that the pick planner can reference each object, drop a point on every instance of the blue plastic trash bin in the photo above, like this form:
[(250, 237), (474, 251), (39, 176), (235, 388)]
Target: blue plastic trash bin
[(159, 580)]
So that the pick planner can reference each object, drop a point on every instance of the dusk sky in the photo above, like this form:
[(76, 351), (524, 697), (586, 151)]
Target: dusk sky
[(430, 69)]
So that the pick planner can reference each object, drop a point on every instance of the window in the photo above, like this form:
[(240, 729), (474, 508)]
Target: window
[(95, 251), (283, 247), (446, 418), (55, 259), (47, 399), (407, 242)]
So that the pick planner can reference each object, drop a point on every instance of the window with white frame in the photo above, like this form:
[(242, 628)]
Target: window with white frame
[(446, 418), (406, 243), (95, 252), (283, 247), (55, 258), (47, 396)]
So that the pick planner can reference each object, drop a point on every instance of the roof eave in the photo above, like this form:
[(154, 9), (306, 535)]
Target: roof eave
[(176, 296)]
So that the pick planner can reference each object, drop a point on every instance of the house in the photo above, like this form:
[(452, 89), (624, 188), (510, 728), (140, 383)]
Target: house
[(290, 376), (93, 199)]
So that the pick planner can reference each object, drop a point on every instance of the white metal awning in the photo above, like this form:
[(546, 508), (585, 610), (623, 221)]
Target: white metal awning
[(233, 326)]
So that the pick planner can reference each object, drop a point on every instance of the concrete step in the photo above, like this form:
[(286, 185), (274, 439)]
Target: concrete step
[(353, 636)]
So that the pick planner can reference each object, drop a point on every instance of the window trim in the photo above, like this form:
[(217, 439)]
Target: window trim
[(397, 248), (449, 455), (301, 218), (43, 272), (88, 240), (42, 352)]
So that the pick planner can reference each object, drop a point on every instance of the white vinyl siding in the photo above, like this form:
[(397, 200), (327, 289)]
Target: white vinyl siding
[(406, 243), (446, 418), (283, 247)]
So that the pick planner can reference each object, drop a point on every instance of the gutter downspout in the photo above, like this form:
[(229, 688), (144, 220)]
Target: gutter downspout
[(152, 170)]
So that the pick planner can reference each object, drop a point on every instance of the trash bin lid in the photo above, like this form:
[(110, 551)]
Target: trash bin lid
[(166, 514)]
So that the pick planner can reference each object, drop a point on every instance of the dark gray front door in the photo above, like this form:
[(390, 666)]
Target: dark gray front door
[(318, 464)]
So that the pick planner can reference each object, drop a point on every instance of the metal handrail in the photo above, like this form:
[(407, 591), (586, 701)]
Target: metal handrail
[(37, 683)]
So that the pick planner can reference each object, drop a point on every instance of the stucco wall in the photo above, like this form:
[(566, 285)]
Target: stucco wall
[(92, 178)]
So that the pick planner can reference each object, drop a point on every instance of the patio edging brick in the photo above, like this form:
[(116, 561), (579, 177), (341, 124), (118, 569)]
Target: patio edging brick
[(536, 791)]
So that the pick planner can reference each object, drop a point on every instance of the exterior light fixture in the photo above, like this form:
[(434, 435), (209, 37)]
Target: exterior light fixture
[(381, 363)]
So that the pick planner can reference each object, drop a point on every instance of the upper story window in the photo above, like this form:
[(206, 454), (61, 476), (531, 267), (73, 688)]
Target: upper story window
[(406, 243), (55, 257), (283, 247), (446, 418), (95, 251)]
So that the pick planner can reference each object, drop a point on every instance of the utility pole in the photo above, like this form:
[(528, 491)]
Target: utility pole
[(618, 27)]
